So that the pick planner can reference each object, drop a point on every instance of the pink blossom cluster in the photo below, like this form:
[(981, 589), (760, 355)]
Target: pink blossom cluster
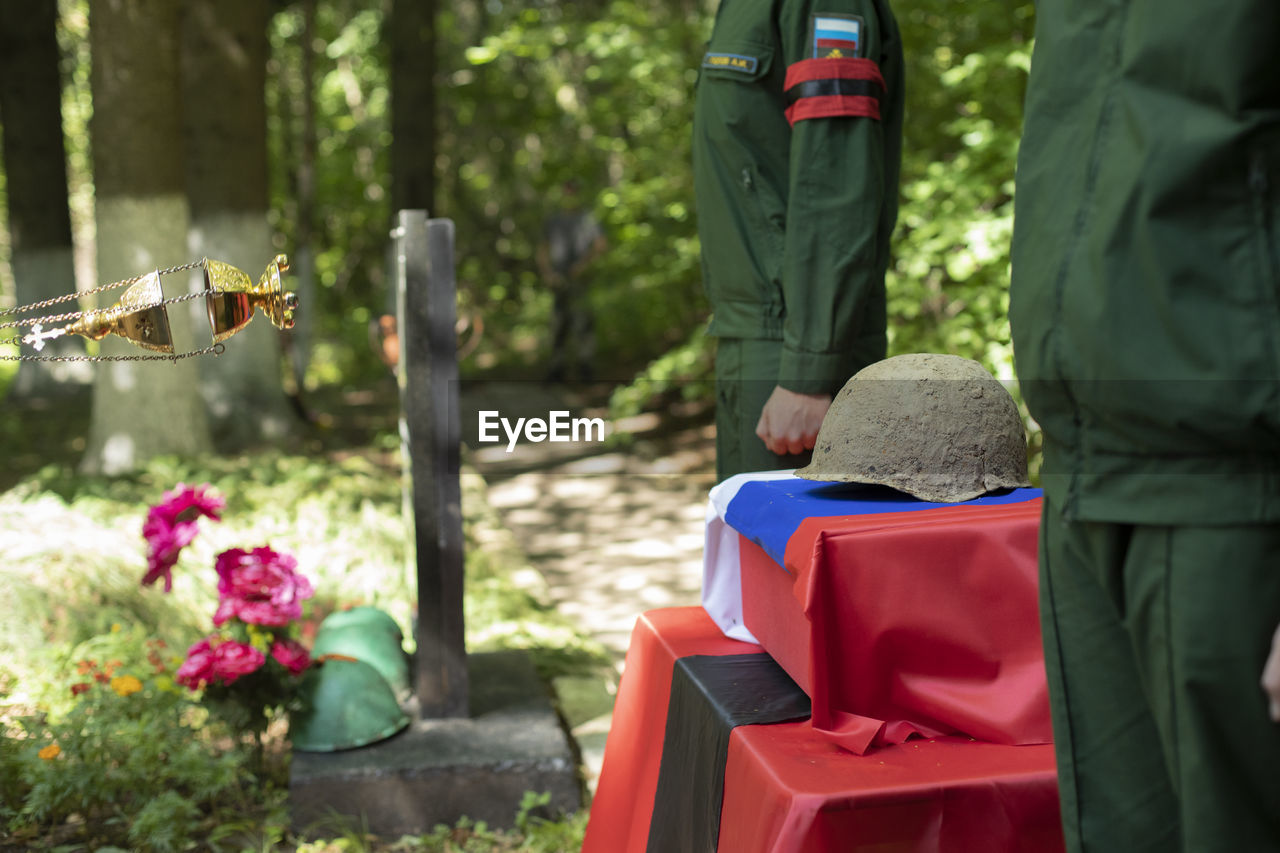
[(215, 660), (171, 525), (261, 587)]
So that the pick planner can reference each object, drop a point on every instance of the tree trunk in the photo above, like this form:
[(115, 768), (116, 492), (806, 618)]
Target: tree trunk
[(224, 77), (36, 168), (413, 61), (141, 409), (299, 340)]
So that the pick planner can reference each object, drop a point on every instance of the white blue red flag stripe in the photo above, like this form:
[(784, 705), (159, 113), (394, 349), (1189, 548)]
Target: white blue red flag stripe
[(769, 512), (840, 34), (768, 507)]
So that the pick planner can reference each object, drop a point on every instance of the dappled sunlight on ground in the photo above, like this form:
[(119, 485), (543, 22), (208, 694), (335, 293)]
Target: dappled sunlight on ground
[(613, 543), (615, 530)]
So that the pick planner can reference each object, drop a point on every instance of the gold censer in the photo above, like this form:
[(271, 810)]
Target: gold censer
[(141, 315)]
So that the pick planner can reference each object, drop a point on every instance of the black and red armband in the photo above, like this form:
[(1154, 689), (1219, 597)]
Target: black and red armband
[(828, 87)]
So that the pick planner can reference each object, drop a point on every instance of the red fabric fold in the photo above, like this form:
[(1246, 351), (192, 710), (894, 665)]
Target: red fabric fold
[(846, 68), (831, 106), (789, 789), (623, 805), (913, 623)]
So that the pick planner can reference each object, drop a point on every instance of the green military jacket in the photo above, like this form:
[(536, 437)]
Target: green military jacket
[(1145, 301), (797, 142)]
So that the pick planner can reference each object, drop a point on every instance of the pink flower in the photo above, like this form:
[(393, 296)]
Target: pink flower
[(260, 587), (235, 659), (197, 669), (291, 654), (171, 525), (250, 612), (217, 661)]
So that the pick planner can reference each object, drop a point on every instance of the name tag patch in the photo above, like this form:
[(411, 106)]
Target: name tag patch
[(731, 62), (835, 36)]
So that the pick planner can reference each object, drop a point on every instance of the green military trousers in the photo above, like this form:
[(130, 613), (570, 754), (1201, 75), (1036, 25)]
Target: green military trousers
[(746, 374), (1155, 639)]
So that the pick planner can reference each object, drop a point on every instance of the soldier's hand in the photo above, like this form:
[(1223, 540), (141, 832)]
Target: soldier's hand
[(790, 420), (1271, 677)]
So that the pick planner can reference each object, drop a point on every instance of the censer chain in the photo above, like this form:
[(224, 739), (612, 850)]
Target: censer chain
[(36, 306), (216, 350), (76, 315)]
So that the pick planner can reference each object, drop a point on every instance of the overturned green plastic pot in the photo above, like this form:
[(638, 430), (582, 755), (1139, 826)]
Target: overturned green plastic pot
[(368, 642), (346, 704)]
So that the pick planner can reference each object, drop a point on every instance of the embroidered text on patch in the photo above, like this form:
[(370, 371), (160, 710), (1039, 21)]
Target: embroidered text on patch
[(835, 36), (731, 62)]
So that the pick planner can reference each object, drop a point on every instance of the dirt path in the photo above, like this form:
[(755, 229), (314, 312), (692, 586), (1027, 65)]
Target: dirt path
[(615, 532)]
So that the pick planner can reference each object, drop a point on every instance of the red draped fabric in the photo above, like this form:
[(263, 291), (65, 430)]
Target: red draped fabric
[(909, 623), (623, 803), (789, 789)]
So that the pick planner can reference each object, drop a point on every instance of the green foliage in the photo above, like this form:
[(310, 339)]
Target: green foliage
[(69, 578), (684, 373), (131, 758), (536, 95), (351, 219), (534, 832), (966, 70), (74, 556), (164, 823), (543, 835)]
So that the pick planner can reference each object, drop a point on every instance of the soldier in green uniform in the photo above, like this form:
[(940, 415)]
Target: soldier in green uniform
[(797, 142), (1146, 322)]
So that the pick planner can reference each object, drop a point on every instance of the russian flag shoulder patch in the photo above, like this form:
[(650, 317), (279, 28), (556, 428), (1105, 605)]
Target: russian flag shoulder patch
[(835, 36)]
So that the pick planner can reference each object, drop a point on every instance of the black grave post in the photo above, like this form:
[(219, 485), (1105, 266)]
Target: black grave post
[(431, 436), (481, 741)]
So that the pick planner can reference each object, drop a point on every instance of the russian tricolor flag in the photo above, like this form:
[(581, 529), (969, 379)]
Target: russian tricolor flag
[(836, 36), (897, 616), (768, 508)]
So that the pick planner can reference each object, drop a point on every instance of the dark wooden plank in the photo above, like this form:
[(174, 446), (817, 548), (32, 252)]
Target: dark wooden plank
[(428, 378)]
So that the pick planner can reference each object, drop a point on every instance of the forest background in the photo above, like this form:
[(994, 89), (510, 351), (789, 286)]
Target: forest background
[(500, 103), (142, 134)]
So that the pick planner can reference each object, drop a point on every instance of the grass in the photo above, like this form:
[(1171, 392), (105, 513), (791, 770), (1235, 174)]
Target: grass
[(74, 555)]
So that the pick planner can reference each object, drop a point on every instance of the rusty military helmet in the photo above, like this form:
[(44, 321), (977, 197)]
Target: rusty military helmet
[(938, 427)]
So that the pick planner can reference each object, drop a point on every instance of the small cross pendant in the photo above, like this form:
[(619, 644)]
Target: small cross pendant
[(38, 336)]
